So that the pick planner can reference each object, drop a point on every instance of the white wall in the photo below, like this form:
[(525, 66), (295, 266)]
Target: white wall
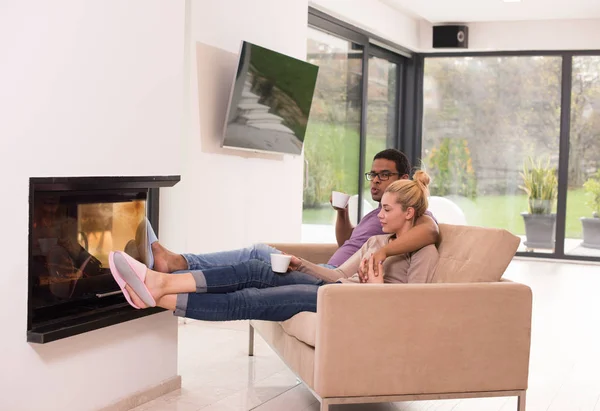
[(234, 198), (375, 17), (526, 35), (86, 88)]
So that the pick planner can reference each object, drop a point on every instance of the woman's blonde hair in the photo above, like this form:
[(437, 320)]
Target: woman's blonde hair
[(412, 193)]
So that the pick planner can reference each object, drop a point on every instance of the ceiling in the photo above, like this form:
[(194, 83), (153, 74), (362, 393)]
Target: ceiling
[(459, 11)]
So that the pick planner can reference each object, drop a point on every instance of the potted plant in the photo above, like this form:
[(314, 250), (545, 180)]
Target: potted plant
[(591, 226), (541, 185)]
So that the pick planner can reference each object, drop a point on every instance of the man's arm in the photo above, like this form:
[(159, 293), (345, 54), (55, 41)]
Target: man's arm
[(425, 232), (343, 228)]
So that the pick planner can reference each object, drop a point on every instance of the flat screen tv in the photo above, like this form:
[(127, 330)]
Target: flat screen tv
[(270, 101)]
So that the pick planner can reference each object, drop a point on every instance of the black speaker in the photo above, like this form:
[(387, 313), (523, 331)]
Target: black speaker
[(454, 36)]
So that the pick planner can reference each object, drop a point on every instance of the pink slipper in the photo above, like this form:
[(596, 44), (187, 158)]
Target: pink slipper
[(128, 271)]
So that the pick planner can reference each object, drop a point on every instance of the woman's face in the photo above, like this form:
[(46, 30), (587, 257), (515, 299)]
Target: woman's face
[(392, 217)]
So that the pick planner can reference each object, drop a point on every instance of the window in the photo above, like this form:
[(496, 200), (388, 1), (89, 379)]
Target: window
[(484, 120), (332, 143), (582, 235), (382, 112), (350, 121)]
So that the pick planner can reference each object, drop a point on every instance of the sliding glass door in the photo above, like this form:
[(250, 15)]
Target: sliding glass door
[(513, 142), (350, 121)]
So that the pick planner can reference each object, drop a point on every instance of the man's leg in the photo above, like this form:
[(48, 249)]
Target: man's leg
[(260, 252)]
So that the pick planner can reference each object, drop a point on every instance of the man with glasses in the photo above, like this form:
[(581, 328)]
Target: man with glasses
[(388, 166)]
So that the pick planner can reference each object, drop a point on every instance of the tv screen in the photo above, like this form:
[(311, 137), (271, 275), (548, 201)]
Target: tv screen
[(270, 101)]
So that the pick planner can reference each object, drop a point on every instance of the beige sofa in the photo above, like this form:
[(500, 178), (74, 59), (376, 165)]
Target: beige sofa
[(467, 334)]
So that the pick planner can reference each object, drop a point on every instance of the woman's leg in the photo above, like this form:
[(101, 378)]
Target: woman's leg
[(251, 274), (272, 304)]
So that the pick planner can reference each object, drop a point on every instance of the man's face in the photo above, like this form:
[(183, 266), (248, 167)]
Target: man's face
[(386, 168)]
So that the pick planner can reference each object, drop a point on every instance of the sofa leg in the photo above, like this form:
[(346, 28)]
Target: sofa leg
[(251, 341), (521, 402)]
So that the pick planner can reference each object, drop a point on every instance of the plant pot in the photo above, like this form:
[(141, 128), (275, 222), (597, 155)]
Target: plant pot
[(540, 207), (591, 232), (540, 230)]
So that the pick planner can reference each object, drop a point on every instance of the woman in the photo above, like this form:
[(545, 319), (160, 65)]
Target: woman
[(252, 290)]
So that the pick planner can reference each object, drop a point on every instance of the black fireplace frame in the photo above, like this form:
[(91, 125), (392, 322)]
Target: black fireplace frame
[(120, 311)]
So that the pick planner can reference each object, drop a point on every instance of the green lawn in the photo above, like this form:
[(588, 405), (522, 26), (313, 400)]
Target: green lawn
[(490, 211), (323, 215)]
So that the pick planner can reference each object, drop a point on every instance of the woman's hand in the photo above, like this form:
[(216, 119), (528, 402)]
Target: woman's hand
[(295, 264), (373, 276), (363, 270)]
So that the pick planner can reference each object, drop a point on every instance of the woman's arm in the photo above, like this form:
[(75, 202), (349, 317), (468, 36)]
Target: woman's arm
[(346, 270)]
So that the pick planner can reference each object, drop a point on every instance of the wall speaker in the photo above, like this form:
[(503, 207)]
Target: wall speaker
[(453, 36)]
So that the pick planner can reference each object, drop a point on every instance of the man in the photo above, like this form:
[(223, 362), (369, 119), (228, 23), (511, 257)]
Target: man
[(388, 166)]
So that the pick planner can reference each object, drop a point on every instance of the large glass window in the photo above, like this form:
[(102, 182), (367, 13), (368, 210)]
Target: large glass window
[(332, 143), (382, 115), (582, 235), (354, 115), (491, 128)]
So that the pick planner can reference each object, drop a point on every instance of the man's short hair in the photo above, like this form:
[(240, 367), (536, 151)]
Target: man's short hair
[(402, 164)]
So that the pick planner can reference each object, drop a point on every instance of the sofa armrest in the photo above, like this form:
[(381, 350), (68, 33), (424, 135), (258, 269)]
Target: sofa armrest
[(394, 339), (315, 253)]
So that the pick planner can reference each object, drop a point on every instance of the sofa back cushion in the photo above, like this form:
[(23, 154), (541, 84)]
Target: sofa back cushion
[(473, 254)]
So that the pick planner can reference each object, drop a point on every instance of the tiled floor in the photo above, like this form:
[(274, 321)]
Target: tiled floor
[(564, 370)]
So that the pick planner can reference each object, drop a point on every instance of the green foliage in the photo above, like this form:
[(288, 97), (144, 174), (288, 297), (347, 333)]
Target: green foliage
[(332, 154), (592, 189), (540, 184), (451, 169)]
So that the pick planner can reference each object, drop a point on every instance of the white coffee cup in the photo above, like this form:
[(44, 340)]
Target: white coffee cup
[(339, 200), (280, 262)]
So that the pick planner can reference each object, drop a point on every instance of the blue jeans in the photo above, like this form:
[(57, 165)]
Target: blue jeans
[(260, 252), (248, 291)]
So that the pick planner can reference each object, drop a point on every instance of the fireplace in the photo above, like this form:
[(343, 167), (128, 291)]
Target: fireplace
[(74, 222)]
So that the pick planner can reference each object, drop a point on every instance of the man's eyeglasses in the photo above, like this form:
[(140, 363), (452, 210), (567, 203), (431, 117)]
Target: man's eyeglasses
[(383, 176)]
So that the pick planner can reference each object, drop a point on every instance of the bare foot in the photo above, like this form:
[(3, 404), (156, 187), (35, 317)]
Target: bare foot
[(155, 282), (166, 261)]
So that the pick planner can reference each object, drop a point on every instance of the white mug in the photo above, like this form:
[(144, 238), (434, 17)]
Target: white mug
[(280, 262), (339, 200)]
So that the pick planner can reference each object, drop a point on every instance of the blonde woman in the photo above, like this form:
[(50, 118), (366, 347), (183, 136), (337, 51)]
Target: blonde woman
[(251, 290)]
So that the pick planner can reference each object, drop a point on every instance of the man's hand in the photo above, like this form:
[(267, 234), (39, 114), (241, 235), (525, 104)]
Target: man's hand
[(377, 262), (373, 276), (336, 208)]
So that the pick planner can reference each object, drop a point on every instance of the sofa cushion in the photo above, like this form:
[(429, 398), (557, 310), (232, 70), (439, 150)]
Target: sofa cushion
[(473, 254), (303, 326)]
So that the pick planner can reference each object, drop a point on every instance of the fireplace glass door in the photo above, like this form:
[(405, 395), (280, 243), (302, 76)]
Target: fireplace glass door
[(72, 234)]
